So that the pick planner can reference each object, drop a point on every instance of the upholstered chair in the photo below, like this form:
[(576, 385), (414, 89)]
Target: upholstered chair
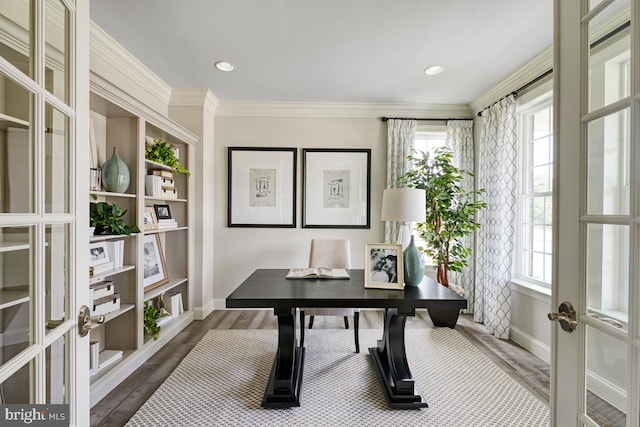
[(330, 253)]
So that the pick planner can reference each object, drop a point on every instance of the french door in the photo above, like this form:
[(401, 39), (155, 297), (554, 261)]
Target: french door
[(596, 368), (43, 127)]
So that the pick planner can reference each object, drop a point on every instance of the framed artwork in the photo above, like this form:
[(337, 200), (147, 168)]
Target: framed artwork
[(154, 266), (149, 219), (383, 266), (336, 188), (261, 187), (99, 259), (162, 211)]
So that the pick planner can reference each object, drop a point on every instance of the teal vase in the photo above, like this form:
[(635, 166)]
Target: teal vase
[(413, 264), (115, 174)]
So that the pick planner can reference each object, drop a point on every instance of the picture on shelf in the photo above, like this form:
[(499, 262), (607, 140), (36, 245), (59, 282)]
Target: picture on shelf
[(149, 218), (154, 267), (162, 211), (99, 257)]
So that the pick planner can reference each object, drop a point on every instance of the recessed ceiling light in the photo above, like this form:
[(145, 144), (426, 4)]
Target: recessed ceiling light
[(224, 66), (433, 70)]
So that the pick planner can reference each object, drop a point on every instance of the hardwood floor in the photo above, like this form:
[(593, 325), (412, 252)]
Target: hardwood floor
[(120, 405)]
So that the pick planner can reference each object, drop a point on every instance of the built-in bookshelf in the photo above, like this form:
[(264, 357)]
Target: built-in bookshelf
[(128, 129)]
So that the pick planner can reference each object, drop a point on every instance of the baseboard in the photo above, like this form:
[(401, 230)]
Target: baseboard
[(200, 313), (531, 344)]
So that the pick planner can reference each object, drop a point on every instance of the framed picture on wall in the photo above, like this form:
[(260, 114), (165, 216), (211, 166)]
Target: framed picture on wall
[(336, 188), (261, 188), (383, 266)]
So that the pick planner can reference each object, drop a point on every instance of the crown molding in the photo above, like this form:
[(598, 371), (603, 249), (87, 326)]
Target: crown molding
[(114, 63), (194, 98), (528, 72), (339, 110)]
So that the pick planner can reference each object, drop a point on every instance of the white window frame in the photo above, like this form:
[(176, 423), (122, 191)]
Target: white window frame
[(533, 101)]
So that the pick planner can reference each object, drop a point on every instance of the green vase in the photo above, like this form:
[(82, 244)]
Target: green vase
[(115, 174), (413, 264)]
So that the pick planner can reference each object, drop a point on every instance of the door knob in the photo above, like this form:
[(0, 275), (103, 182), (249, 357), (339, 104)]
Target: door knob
[(566, 316), (86, 322)]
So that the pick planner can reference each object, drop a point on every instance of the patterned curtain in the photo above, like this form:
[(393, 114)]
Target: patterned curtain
[(459, 139), (497, 175), (400, 136)]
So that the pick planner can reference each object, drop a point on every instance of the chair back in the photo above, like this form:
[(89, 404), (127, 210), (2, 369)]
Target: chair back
[(330, 253)]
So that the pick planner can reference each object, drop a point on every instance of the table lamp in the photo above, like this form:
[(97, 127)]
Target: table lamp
[(406, 205)]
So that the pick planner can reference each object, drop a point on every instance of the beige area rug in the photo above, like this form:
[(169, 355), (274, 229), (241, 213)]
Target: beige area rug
[(222, 380)]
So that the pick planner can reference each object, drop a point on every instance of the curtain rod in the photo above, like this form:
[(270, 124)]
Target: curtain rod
[(384, 119), (521, 88)]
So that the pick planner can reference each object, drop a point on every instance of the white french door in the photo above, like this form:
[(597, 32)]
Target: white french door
[(44, 93), (596, 368)]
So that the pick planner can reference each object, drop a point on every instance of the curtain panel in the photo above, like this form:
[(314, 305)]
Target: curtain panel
[(497, 168), (400, 140), (459, 138)]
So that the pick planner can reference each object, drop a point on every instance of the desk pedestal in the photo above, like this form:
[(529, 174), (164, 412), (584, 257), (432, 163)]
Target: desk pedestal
[(391, 365), (283, 388)]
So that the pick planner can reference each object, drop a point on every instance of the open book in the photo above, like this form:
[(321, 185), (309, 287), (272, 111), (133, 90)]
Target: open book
[(318, 273)]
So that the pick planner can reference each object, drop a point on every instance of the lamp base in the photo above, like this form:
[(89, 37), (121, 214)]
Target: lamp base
[(413, 264)]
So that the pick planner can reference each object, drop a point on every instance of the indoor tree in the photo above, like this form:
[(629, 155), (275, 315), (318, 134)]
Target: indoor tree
[(450, 209)]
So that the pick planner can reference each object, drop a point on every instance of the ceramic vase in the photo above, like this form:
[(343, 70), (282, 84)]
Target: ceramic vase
[(413, 264), (115, 174)]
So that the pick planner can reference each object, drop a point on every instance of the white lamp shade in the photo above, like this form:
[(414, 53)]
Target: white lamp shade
[(403, 204)]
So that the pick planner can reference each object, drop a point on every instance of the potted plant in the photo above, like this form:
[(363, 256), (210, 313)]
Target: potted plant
[(162, 152), (151, 317), (107, 219), (450, 210)]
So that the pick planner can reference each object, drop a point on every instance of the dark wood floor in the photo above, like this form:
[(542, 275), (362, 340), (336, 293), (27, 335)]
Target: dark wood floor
[(120, 405)]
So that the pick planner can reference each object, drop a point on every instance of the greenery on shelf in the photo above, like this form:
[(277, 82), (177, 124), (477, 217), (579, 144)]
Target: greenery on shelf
[(451, 210), (162, 152), (107, 219), (151, 317)]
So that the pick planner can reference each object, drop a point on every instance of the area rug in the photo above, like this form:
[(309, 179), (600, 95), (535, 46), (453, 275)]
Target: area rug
[(222, 380)]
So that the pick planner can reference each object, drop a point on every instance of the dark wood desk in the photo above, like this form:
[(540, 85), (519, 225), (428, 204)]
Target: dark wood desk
[(270, 289)]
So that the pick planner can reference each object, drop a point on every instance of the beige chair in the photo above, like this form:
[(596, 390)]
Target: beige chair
[(330, 253)]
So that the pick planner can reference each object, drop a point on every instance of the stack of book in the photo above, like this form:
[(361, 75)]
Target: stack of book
[(116, 253), (160, 184), (173, 303), (164, 224), (99, 360)]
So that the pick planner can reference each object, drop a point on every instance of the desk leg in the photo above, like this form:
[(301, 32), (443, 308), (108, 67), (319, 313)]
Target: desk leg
[(283, 388), (391, 365)]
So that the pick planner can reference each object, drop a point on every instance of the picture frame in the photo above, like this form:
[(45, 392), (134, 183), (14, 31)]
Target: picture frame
[(149, 219), (384, 268), (336, 188), (154, 266), (99, 259), (162, 212), (261, 187)]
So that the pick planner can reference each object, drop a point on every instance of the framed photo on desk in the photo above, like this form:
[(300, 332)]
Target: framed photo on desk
[(384, 268)]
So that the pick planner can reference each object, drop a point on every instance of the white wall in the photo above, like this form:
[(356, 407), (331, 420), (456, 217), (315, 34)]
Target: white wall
[(239, 251)]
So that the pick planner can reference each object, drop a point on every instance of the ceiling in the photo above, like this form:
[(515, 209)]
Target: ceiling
[(361, 51)]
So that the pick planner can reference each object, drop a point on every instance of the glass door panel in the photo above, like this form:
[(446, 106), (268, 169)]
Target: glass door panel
[(57, 161), (56, 49), (607, 275), (56, 274), (608, 165), (606, 379), (609, 53), (57, 371), (15, 34), (16, 288), (16, 388)]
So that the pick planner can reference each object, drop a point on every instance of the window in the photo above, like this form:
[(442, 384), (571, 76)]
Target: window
[(534, 242), (427, 139)]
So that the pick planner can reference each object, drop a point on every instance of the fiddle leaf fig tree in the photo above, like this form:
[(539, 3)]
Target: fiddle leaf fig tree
[(450, 209), (162, 152)]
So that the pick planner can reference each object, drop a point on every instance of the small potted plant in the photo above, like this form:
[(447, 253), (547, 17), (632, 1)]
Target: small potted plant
[(162, 152), (151, 317), (107, 219)]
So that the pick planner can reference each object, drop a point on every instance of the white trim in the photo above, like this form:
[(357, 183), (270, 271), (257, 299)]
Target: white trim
[(531, 70), (529, 343), (200, 313), (532, 290), (194, 98), (340, 110)]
